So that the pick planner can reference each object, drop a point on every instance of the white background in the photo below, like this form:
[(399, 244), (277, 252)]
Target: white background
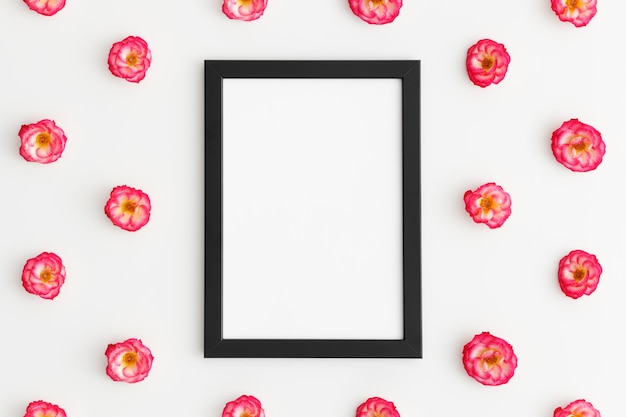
[(150, 284)]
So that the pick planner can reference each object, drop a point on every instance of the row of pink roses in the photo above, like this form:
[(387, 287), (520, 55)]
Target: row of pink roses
[(250, 406), (128, 208), (579, 147), (377, 12)]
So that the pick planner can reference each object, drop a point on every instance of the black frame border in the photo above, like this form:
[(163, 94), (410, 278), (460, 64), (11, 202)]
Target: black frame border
[(215, 346)]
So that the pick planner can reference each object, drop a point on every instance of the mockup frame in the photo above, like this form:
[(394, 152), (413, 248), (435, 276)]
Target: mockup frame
[(292, 188)]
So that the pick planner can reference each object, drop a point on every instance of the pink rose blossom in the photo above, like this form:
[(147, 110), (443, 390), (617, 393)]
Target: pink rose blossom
[(377, 407), (42, 142), (44, 275), (130, 59), (45, 7), (244, 9), (128, 361), (578, 408), (579, 273), (376, 12), (128, 208), (487, 62), (578, 146), (244, 406), (489, 359), (578, 12), (488, 204), (44, 409)]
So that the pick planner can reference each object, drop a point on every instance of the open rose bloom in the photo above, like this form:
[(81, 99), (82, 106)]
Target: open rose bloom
[(44, 409), (128, 208), (244, 406), (45, 7), (487, 62), (489, 359), (578, 146), (577, 12), (377, 407), (44, 275), (376, 12), (42, 142), (578, 408), (488, 204), (579, 273), (128, 361), (130, 59), (245, 10)]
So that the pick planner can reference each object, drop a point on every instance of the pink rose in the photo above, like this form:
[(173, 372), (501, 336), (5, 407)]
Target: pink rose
[(128, 361), (45, 7), (377, 407), (130, 59), (579, 273), (128, 208), (244, 406), (44, 275), (42, 142), (488, 204), (376, 12), (578, 12), (244, 9), (578, 146), (487, 62), (489, 359), (44, 409), (578, 408)]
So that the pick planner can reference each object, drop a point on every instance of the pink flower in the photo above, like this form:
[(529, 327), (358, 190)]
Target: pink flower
[(377, 407), (44, 409), (244, 9), (128, 208), (376, 12), (44, 275), (487, 62), (578, 12), (42, 142), (489, 359), (128, 361), (579, 273), (578, 146), (488, 204), (578, 408), (130, 59), (45, 7), (244, 406)]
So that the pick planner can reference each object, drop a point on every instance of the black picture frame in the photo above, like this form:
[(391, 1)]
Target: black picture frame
[(410, 346)]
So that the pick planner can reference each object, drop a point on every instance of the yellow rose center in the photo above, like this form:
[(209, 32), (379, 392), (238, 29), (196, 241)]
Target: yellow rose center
[(376, 3), (43, 139), (487, 63), (244, 2), (129, 207), (581, 146), (580, 274), (129, 358), (245, 414), (132, 59), (486, 203), (46, 276), (572, 4), (492, 360)]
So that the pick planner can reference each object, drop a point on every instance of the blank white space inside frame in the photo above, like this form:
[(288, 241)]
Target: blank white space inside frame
[(312, 209)]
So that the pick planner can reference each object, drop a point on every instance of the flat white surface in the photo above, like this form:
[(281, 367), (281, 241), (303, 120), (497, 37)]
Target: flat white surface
[(312, 209), (150, 284)]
